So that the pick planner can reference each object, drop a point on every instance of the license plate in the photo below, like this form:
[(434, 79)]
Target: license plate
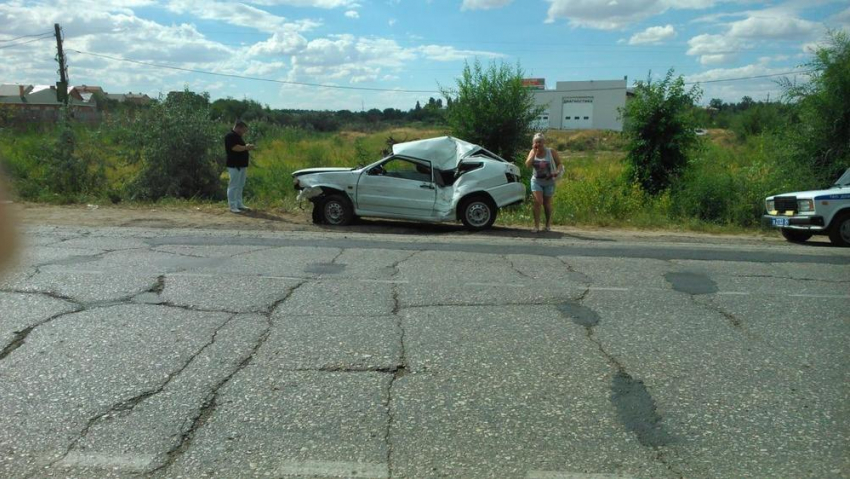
[(780, 221)]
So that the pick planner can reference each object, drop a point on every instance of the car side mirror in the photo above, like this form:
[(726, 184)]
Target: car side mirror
[(375, 171)]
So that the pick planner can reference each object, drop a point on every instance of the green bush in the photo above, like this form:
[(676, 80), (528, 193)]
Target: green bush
[(492, 108), (823, 133), (179, 148), (660, 126)]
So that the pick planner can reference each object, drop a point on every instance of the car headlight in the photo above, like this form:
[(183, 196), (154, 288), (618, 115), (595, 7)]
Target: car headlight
[(769, 205), (805, 206)]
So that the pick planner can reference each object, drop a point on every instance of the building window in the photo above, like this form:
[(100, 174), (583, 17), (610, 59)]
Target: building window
[(587, 118)]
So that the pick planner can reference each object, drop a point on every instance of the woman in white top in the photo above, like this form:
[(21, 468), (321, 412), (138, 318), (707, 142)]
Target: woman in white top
[(545, 162)]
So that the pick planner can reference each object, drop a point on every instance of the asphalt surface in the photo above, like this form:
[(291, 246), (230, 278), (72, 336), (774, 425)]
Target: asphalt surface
[(130, 352)]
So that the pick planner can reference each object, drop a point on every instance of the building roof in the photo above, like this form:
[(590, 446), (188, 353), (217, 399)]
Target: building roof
[(14, 90), (41, 97), (88, 89)]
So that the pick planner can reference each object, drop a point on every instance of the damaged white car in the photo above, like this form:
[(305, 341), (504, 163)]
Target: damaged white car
[(438, 179)]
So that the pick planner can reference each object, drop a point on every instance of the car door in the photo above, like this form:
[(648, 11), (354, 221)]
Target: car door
[(398, 187)]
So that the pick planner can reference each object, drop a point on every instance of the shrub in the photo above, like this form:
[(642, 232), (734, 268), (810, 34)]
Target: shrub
[(180, 150), (660, 126), (492, 108)]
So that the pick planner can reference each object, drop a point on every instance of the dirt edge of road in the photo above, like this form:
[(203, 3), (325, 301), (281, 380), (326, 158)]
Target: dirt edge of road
[(211, 217)]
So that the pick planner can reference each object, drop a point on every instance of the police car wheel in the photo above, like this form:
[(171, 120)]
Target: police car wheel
[(795, 236), (839, 233)]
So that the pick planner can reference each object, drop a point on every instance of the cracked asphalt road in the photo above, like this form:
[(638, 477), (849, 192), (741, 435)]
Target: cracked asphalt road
[(128, 352)]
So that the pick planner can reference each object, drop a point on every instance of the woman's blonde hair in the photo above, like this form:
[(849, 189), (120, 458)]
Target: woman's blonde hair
[(538, 136)]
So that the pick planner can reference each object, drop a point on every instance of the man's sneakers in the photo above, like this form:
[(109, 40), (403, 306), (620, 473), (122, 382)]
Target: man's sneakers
[(244, 208), (240, 210), (236, 211)]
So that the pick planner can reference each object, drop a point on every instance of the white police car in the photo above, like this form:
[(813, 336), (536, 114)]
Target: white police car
[(803, 214)]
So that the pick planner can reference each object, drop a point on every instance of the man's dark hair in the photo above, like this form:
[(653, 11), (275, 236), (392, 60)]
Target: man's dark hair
[(240, 124)]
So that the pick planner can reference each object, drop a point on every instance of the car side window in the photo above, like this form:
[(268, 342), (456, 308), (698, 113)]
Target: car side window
[(407, 170)]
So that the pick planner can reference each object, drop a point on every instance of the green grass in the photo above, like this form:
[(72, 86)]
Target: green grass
[(721, 192)]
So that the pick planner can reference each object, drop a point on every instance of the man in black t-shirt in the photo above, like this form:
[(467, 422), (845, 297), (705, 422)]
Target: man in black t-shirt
[(237, 165)]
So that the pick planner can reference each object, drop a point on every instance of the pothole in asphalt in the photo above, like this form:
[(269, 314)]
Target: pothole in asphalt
[(691, 283), (581, 315), (324, 268), (636, 410)]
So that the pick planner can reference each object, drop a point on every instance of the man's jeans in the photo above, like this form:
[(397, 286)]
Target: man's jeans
[(234, 188)]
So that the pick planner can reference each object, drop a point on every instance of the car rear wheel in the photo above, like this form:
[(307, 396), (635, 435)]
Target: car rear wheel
[(795, 236), (336, 210), (839, 234), (478, 213)]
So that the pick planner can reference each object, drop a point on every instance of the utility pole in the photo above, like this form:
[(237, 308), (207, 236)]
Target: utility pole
[(62, 84)]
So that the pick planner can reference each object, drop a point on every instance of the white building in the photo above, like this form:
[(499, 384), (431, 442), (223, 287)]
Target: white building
[(582, 105)]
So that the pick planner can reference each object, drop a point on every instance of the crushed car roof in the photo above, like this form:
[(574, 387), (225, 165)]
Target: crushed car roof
[(444, 152)]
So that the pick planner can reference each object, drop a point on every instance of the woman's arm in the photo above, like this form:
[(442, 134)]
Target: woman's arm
[(530, 158)]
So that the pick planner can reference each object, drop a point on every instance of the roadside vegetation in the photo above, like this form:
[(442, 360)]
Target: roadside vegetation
[(646, 177)]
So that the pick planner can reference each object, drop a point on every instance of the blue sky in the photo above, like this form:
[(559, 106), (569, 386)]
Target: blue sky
[(407, 48)]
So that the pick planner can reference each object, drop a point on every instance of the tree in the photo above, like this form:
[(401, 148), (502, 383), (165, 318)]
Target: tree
[(823, 132), (492, 108), (179, 146), (661, 132)]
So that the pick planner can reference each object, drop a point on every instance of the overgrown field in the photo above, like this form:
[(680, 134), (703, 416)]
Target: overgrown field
[(721, 190)]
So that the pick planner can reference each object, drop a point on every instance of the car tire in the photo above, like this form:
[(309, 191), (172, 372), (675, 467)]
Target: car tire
[(478, 212), (336, 210), (839, 233), (795, 236)]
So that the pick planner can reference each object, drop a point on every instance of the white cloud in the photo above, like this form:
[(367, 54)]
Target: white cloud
[(391, 22), (483, 4), (449, 54), (238, 14), (281, 43), (614, 14), (714, 49), (757, 88), (773, 27), (653, 35), (842, 18), (352, 14), (325, 4)]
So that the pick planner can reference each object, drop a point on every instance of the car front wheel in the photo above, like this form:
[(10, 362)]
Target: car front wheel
[(839, 234), (478, 213), (795, 236), (336, 210)]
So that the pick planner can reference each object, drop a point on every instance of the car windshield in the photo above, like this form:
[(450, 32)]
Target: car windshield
[(844, 180)]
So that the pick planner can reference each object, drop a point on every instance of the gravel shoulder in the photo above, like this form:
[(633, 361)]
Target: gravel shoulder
[(214, 217)]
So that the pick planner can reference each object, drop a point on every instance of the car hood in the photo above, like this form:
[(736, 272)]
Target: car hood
[(842, 192), (308, 171), (444, 152)]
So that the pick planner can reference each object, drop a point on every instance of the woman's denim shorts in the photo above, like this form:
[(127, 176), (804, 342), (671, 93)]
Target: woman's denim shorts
[(548, 190)]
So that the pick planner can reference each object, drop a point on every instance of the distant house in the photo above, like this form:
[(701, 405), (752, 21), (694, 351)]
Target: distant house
[(41, 105), (134, 98), (86, 93), (15, 90)]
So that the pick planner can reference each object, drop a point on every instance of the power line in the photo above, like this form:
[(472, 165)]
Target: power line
[(341, 87), (753, 77), (26, 36), (24, 43), (228, 75)]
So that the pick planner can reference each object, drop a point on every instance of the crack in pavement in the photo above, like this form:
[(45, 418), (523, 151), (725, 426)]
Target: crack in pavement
[(21, 336), (513, 266), (583, 278), (400, 370), (128, 404), (210, 403), (633, 402)]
